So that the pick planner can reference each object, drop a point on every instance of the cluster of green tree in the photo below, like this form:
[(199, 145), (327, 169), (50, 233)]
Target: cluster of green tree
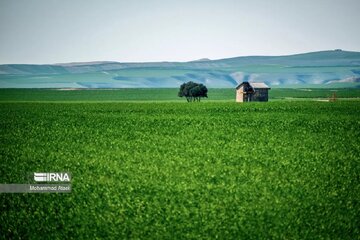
[(193, 91)]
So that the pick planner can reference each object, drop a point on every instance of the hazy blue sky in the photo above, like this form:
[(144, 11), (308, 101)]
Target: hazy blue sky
[(52, 31)]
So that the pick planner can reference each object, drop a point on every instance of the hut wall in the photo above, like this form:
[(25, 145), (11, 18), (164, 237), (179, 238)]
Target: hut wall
[(260, 95), (240, 94)]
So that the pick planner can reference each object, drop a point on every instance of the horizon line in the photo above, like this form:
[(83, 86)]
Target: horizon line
[(170, 61)]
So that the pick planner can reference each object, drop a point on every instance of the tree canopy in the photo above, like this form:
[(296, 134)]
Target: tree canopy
[(193, 91)]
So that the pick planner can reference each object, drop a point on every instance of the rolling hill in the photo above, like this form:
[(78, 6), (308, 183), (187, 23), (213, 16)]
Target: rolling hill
[(335, 68)]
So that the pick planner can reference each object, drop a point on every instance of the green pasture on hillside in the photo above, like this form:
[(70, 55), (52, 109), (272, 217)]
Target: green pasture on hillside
[(177, 170)]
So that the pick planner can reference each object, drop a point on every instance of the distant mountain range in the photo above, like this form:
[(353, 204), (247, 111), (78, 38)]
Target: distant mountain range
[(335, 68)]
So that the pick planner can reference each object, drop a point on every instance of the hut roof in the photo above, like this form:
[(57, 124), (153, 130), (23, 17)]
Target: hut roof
[(255, 85)]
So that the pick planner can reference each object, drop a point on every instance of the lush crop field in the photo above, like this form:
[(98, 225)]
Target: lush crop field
[(163, 94), (173, 170)]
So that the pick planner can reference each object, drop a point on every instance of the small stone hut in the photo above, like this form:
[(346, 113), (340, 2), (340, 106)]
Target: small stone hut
[(252, 92)]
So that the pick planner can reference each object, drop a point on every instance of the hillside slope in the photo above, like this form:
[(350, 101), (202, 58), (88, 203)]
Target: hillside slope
[(328, 68)]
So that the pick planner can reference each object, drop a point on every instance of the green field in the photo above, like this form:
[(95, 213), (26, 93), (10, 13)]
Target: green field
[(164, 94), (149, 169)]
